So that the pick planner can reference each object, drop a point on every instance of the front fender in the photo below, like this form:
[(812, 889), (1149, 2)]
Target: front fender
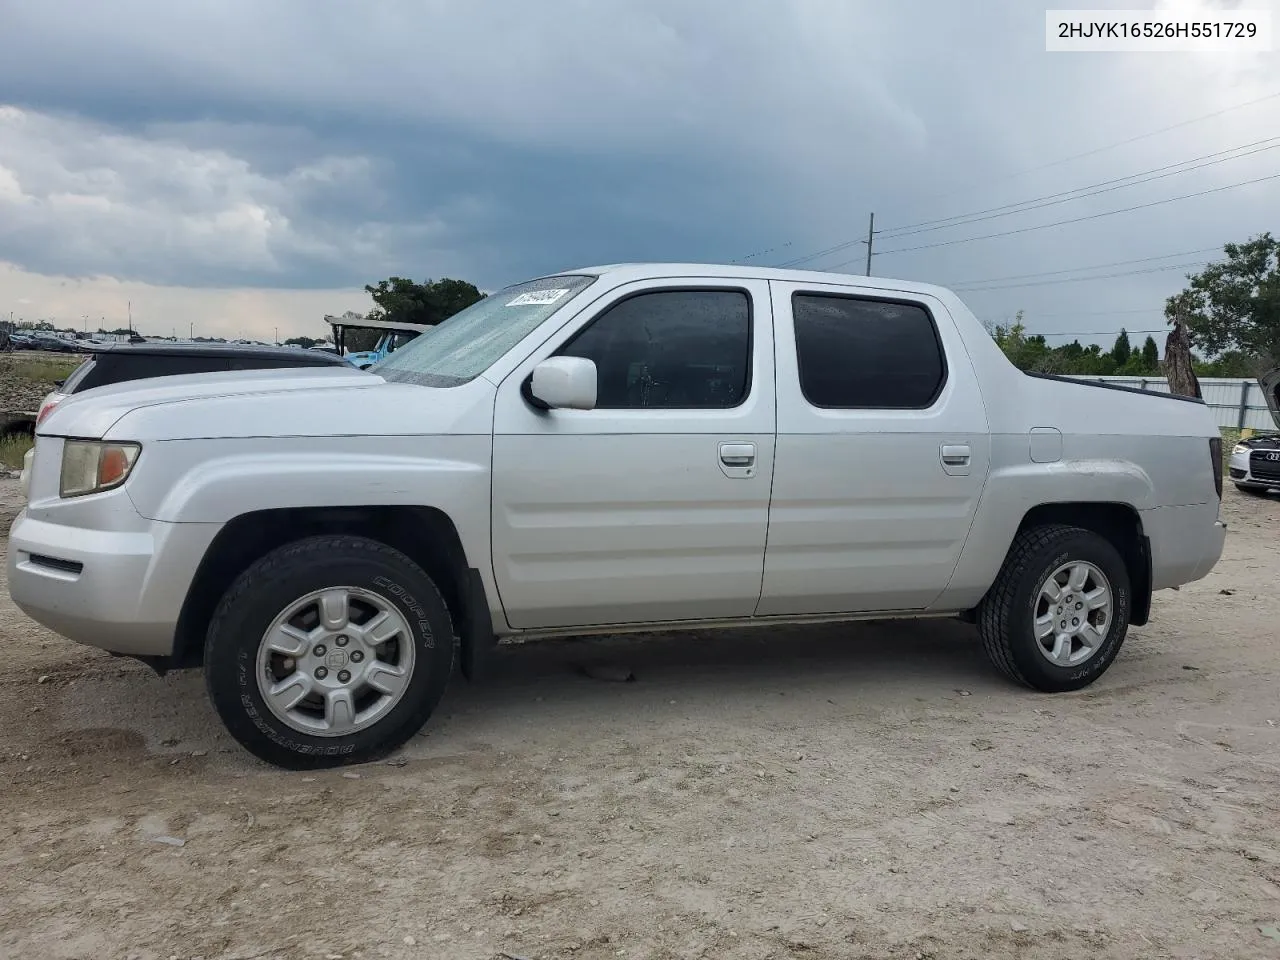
[(214, 481), (215, 488)]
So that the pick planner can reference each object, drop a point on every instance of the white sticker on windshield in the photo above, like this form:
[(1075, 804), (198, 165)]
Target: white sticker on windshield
[(538, 297)]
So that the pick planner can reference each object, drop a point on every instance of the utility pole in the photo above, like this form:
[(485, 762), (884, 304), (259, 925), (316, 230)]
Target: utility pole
[(871, 234)]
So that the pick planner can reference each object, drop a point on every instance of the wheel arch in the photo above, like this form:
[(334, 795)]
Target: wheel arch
[(1121, 526), (427, 535)]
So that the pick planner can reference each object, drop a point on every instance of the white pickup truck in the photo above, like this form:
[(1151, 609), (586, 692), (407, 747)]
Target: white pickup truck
[(626, 447)]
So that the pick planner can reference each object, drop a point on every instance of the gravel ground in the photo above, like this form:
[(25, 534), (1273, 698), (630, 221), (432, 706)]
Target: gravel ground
[(836, 792)]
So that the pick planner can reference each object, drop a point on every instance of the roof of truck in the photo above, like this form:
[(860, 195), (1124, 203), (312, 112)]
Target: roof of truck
[(364, 323), (645, 270), (168, 348)]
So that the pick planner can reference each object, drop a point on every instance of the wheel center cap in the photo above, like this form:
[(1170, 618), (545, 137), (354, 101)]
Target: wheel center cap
[(336, 659)]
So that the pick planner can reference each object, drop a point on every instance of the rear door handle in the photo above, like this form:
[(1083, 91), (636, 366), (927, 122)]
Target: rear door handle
[(956, 454), (737, 454)]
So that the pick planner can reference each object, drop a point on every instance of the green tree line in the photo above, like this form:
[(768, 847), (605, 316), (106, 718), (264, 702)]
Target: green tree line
[(1031, 352)]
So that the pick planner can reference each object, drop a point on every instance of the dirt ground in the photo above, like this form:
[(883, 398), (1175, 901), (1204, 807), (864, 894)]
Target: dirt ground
[(836, 792)]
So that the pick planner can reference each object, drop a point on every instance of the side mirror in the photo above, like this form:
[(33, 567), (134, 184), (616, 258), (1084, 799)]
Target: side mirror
[(565, 382)]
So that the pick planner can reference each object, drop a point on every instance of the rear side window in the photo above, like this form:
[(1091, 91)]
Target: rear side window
[(76, 380), (274, 363), (121, 368), (856, 353)]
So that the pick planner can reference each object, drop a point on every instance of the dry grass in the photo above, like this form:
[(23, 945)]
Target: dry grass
[(13, 448), (44, 370)]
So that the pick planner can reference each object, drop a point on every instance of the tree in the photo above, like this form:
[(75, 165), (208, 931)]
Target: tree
[(1122, 350), (1235, 303), (1178, 366), (304, 342), (1150, 355), (407, 301)]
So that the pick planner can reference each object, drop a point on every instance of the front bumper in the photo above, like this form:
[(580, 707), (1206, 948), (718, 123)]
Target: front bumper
[(116, 589), (1239, 471)]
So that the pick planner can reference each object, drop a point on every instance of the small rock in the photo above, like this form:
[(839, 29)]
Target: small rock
[(981, 744), (199, 753), (1017, 927), (1226, 593), (609, 673), (43, 678), (799, 756), (964, 693), (351, 776), (1187, 666), (410, 942), (537, 838), (171, 841), (333, 956), (397, 762)]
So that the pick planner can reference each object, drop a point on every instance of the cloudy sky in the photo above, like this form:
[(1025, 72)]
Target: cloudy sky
[(246, 166)]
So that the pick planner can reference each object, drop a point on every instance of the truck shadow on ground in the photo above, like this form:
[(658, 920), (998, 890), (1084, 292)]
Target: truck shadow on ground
[(739, 676)]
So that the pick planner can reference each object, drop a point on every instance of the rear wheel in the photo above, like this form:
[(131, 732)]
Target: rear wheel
[(328, 651), (1057, 615)]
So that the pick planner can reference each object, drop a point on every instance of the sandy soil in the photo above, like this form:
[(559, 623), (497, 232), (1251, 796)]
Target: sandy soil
[(847, 792)]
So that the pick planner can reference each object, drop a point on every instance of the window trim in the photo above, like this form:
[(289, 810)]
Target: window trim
[(748, 386), (864, 298)]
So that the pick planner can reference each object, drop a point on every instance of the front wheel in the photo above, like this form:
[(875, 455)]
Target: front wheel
[(1059, 610), (328, 651)]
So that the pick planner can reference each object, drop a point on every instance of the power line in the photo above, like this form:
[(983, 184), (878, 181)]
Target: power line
[(761, 253), (1110, 146), (1101, 313), (1053, 199), (1059, 223), (1067, 195), (1103, 276), (1096, 266)]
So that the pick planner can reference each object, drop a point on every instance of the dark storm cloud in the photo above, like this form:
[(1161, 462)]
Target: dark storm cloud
[(322, 145)]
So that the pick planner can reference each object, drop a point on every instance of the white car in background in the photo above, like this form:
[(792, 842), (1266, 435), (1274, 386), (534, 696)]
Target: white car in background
[(1255, 461)]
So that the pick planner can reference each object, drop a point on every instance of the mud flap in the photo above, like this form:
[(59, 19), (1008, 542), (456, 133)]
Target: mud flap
[(477, 639)]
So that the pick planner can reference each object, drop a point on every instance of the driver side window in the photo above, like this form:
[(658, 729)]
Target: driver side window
[(670, 349)]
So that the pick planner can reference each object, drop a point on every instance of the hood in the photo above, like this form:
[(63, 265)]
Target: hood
[(1270, 383), (309, 401)]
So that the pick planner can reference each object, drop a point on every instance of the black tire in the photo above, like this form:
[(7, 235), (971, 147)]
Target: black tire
[(265, 589), (1006, 615)]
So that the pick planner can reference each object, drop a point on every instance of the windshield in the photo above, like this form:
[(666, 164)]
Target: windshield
[(462, 347)]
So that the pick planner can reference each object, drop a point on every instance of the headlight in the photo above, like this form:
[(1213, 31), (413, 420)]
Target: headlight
[(90, 466), (1239, 448)]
